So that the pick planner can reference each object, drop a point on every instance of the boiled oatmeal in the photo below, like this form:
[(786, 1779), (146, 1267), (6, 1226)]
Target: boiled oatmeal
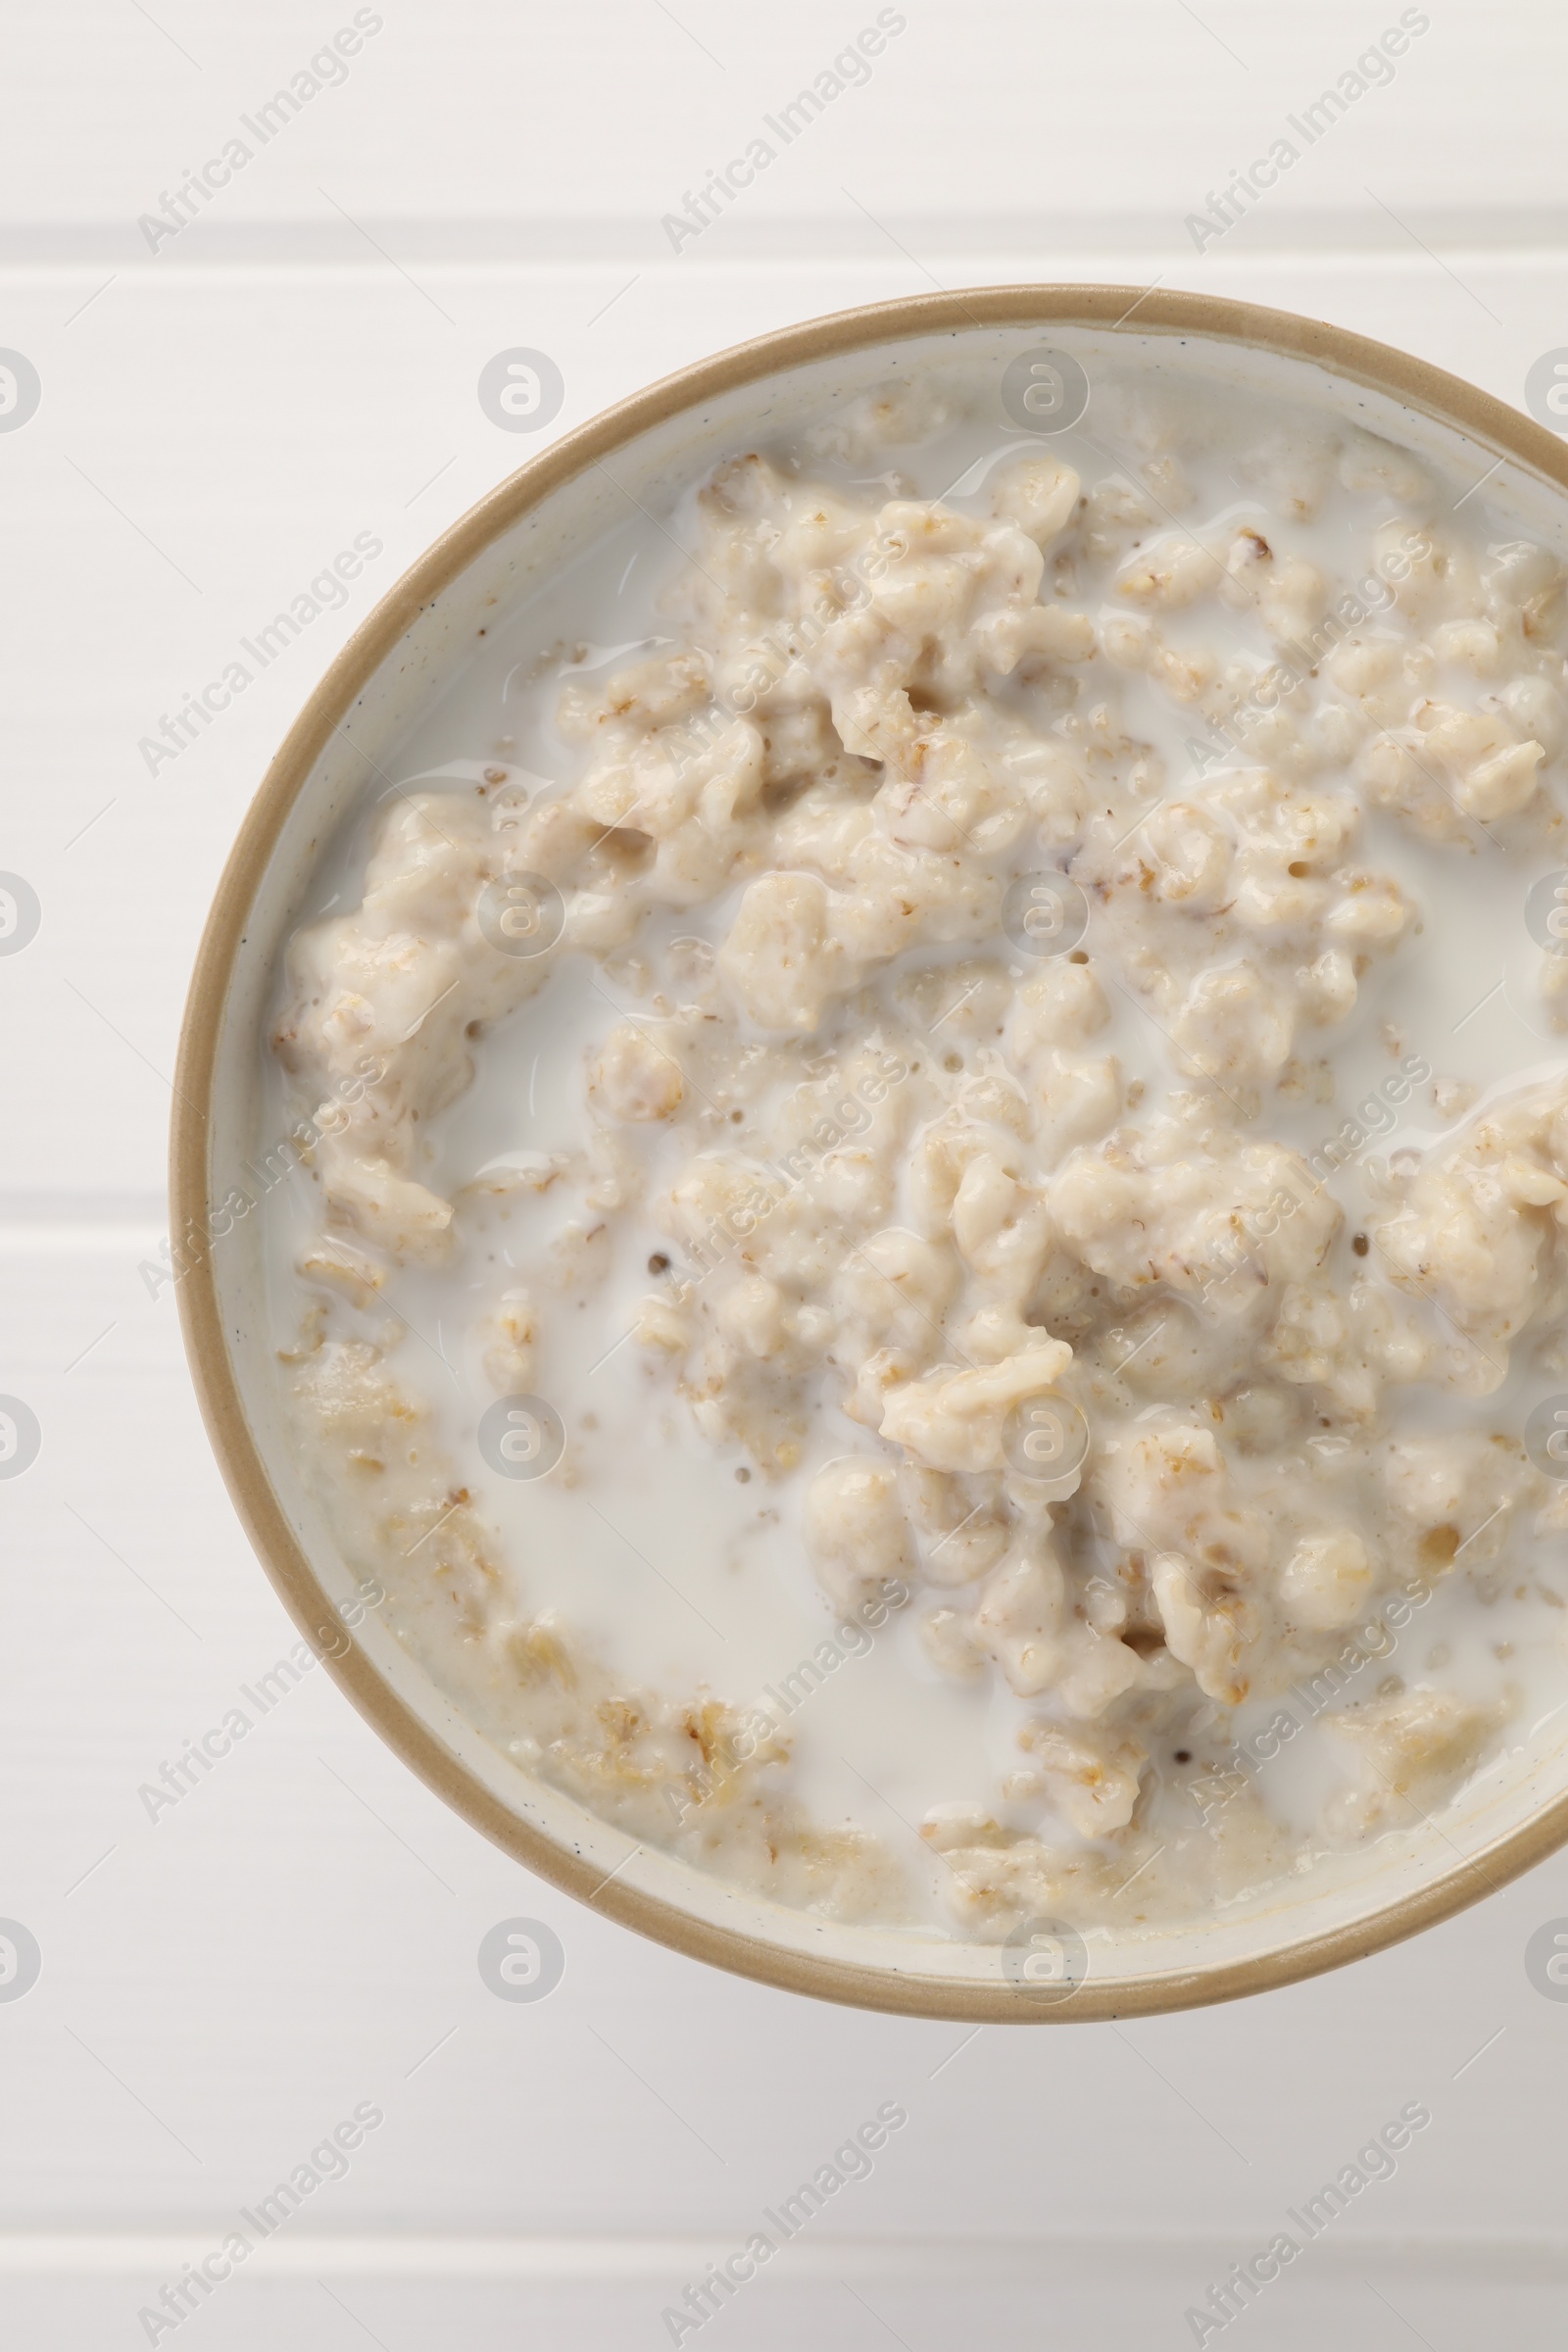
[(1000, 1380)]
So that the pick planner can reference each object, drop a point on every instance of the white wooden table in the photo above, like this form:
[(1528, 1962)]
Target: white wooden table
[(223, 408)]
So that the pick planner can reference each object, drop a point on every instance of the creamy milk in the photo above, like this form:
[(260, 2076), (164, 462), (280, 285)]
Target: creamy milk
[(679, 1563)]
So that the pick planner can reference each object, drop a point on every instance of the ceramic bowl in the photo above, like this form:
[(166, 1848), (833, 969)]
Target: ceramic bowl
[(507, 547)]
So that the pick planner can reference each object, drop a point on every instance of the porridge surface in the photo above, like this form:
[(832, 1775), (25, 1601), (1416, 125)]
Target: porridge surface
[(930, 1153)]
